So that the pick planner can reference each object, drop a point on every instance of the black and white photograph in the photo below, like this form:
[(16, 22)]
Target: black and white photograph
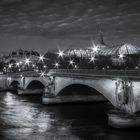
[(69, 69)]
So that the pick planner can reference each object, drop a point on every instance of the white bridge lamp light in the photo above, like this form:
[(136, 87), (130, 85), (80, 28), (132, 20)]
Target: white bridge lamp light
[(56, 65), (92, 59), (27, 61), (10, 66), (42, 74), (121, 55), (41, 58)]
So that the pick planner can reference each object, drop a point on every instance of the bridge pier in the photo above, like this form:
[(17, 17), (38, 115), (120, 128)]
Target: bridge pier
[(123, 116), (29, 91), (70, 99)]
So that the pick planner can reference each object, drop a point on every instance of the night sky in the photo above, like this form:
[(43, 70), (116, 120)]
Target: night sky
[(48, 24)]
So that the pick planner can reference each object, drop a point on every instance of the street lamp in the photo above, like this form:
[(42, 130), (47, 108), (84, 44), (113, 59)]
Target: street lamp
[(60, 53), (27, 61), (56, 64), (75, 66), (92, 59), (10, 66), (71, 62), (94, 47), (42, 74), (41, 58), (17, 64), (44, 66), (121, 56)]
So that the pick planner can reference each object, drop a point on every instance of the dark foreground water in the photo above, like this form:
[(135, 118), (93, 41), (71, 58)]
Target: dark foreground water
[(23, 118)]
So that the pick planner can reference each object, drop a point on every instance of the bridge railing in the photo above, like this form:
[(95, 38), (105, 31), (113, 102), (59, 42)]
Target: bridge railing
[(133, 73), (29, 73)]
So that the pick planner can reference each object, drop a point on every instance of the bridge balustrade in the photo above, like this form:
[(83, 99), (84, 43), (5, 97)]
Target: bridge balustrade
[(124, 73), (25, 74)]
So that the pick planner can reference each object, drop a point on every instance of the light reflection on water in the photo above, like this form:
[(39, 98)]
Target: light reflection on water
[(23, 118)]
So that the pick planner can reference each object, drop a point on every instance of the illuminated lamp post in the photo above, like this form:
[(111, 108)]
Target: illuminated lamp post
[(56, 65), (41, 58), (27, 62), (60, 53)]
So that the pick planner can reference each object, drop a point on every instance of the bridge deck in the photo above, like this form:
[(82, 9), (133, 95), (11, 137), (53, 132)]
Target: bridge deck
[(96, 73)]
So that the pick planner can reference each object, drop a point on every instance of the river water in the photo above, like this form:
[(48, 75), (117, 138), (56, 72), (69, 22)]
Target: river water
[(24, 117)]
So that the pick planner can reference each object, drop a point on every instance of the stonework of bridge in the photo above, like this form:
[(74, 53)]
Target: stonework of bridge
[(27, 83), (121, 88)]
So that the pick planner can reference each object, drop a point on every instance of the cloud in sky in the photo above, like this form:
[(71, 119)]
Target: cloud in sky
[(72, 19)]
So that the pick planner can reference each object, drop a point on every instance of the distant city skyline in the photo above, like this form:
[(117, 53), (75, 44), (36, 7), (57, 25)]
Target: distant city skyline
[(49, 24)]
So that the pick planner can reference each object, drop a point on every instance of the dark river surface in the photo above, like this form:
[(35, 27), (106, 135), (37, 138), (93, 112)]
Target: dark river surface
[(24, 117)]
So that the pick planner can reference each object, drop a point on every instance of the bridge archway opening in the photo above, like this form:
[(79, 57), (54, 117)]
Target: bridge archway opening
[(35, 85), (14, 84), (81, 90)]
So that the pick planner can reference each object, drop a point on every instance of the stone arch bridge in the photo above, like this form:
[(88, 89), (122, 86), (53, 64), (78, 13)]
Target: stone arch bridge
[(121, 88), (27, 82)]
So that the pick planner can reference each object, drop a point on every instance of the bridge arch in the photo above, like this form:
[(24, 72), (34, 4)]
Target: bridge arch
[(14, 84), (35, 84), (78, 89), (104, 86)]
